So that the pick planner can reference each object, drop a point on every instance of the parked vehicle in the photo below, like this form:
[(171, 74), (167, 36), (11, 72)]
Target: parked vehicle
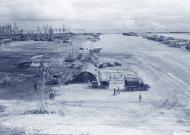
[(135, 84), (56, 79), (187, 47), (94, 84), (102, 84), (24, 65)]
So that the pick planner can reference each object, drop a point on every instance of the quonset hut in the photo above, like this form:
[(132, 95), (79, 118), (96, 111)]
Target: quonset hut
[(87, 72)]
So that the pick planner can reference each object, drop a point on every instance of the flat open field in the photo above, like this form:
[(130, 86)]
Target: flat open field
[(79, 110)]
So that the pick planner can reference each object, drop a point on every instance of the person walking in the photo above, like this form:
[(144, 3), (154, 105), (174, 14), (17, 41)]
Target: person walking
[(52, 95), (114, 92), (36, 85), (140, 98), (89, 83), (118, 91)]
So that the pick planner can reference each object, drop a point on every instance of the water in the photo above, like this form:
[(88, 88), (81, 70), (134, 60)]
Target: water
[(185, 36)]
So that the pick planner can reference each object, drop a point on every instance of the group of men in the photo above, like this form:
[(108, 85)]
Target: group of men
[(37, 86), (117, 92)]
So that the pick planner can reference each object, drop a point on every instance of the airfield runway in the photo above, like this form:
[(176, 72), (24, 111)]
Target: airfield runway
[(164, 110)]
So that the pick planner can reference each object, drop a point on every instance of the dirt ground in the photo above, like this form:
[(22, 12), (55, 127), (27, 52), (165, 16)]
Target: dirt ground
[(80, 110)]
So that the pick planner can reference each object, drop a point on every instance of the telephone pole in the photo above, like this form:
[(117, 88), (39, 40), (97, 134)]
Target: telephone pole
[(43, 74), (1, 46)]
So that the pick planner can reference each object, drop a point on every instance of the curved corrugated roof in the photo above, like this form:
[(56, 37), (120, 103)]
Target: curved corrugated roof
[(87, 72), (88, 67)]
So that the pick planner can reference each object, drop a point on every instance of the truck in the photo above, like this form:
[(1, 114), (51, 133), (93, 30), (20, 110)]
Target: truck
[(135, 84)]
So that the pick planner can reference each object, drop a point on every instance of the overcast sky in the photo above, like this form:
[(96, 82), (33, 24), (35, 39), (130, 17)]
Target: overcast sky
[(94, 15)]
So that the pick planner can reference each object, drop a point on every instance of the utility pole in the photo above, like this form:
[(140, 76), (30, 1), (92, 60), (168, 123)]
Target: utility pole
[(1, 46), (71, 49), (43, 72)]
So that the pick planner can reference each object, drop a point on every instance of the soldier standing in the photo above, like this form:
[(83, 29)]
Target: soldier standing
[(52, 95), (114, 92), (140, 98), (118, 90), (89, 83), (36, 85)]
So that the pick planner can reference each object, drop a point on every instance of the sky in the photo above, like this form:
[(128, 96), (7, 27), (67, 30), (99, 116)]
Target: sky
[(99, 15)]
